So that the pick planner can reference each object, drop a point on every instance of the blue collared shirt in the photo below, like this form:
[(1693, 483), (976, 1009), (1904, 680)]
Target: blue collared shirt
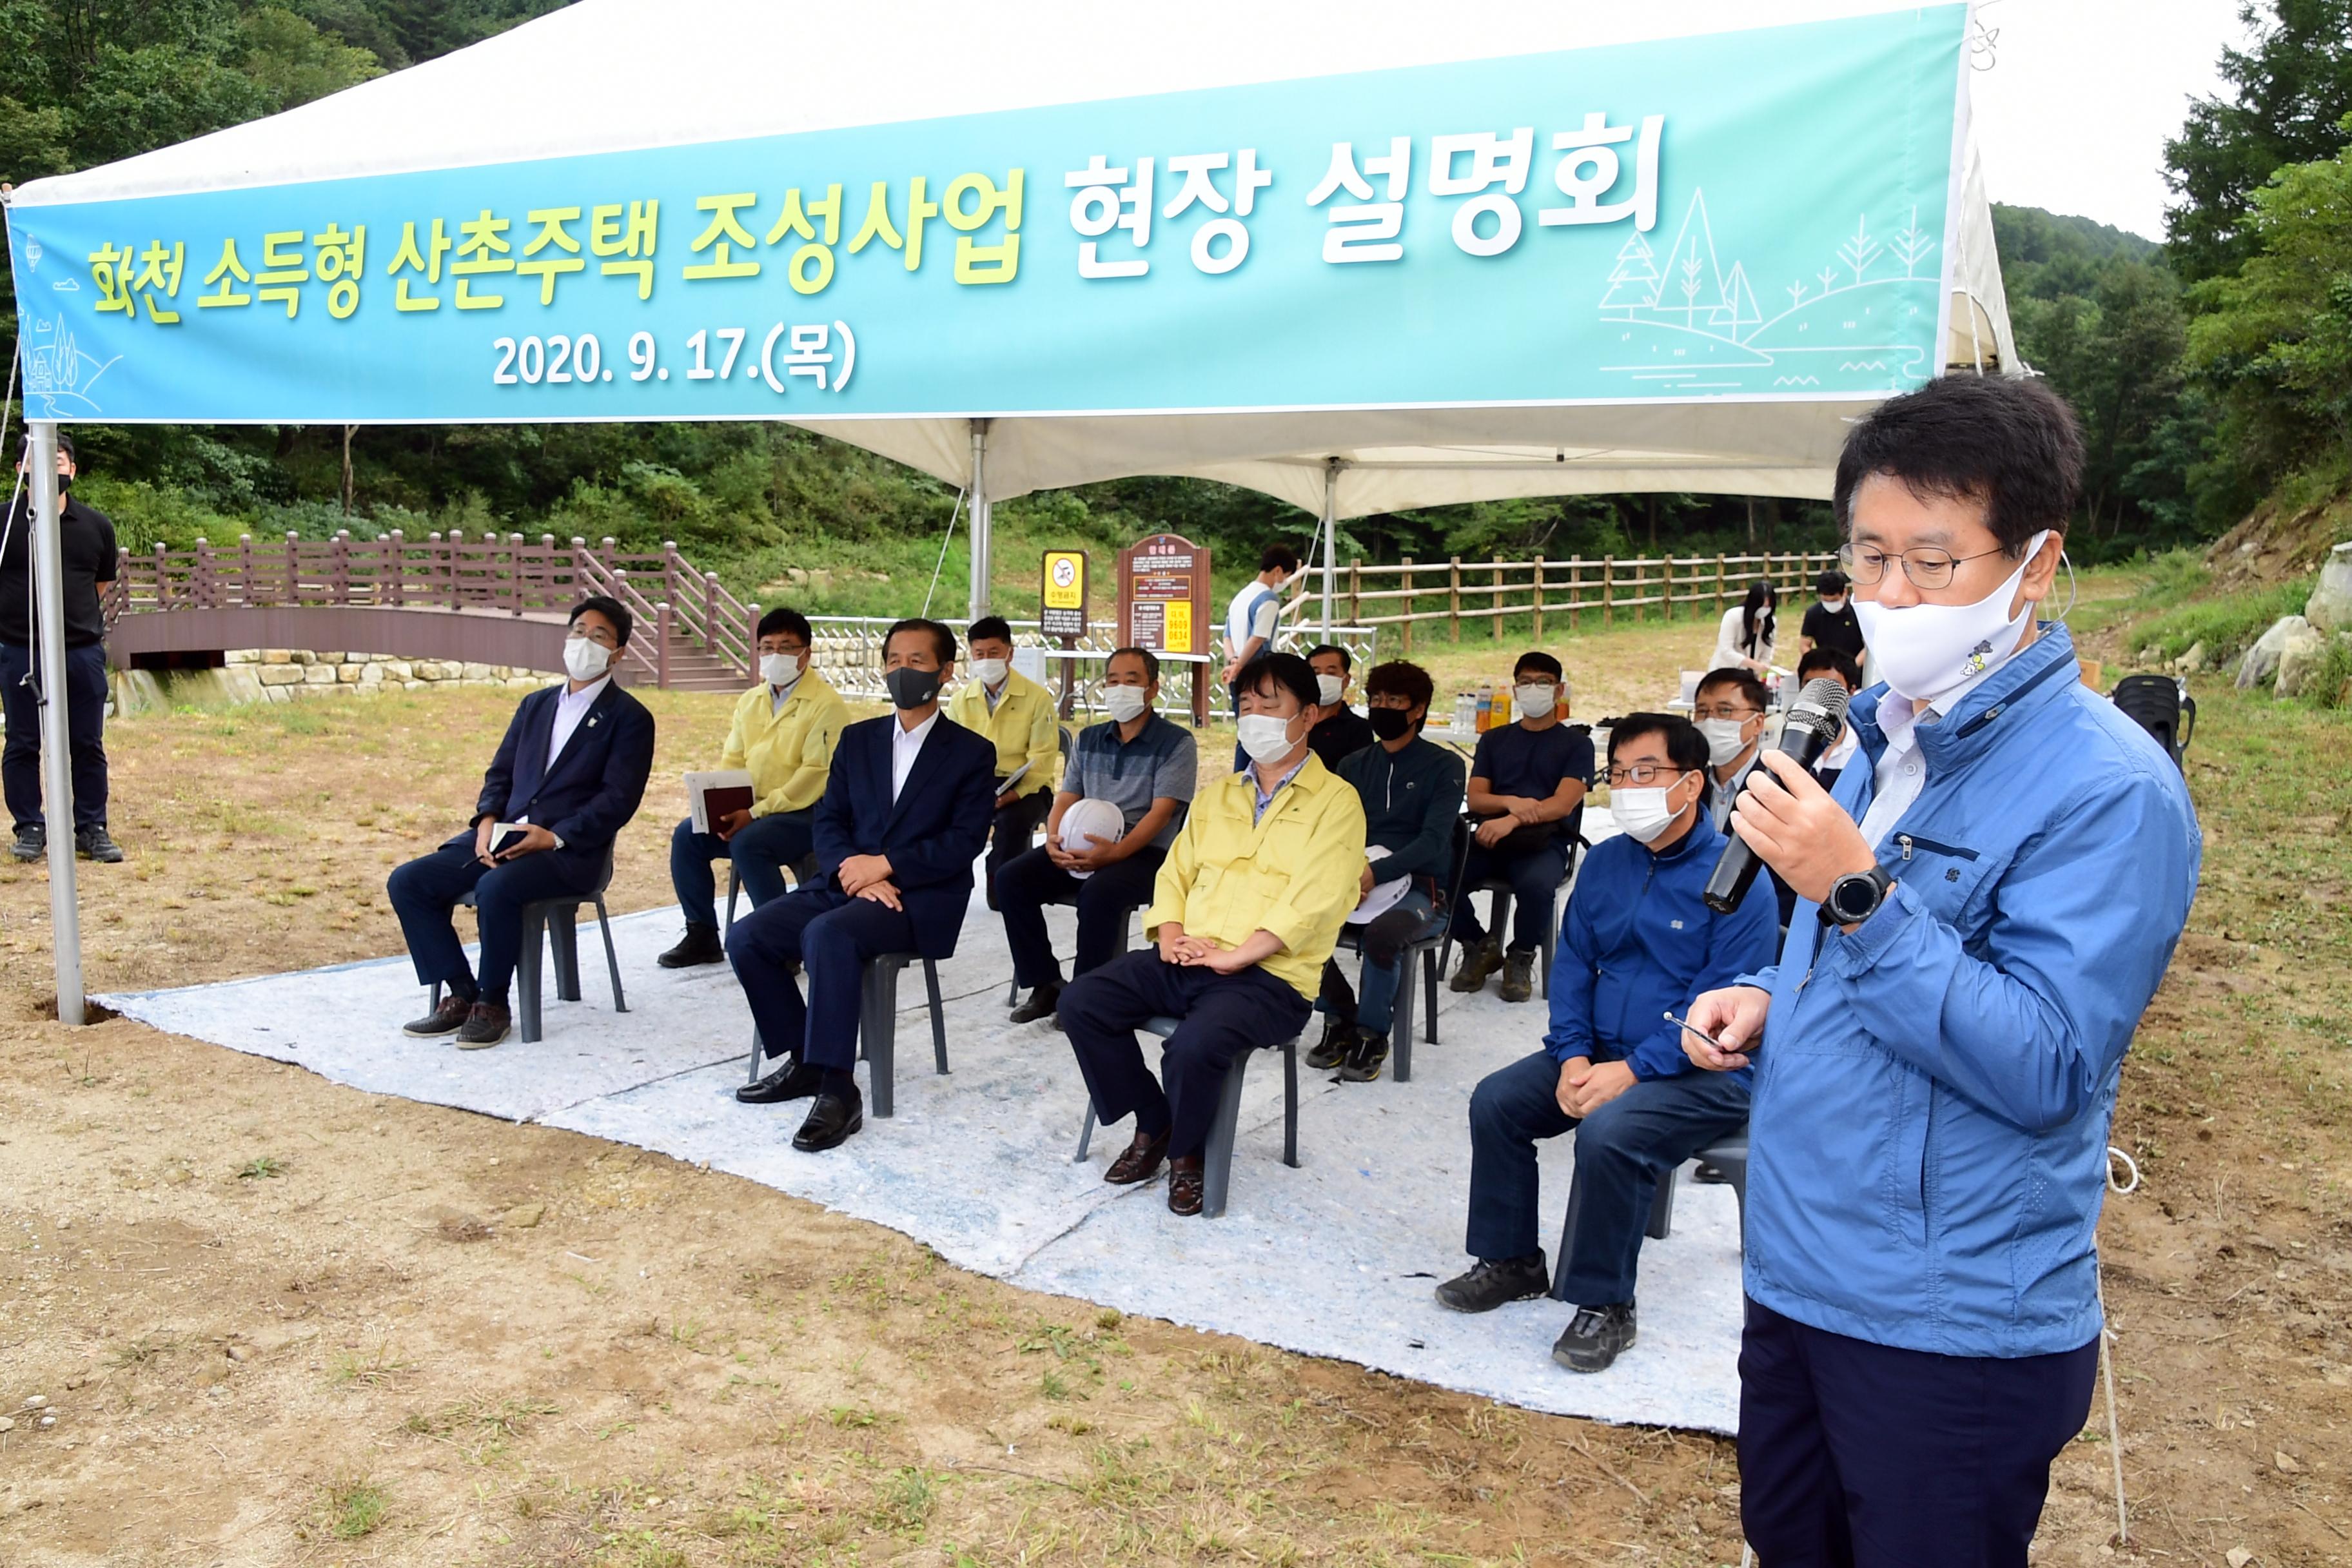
[(1264, 796)]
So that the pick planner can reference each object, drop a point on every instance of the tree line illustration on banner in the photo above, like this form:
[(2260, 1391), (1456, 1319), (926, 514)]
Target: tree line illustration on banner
[(1693, 324)]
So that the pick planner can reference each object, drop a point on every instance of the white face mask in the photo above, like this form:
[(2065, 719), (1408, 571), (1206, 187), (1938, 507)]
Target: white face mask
[(780, 671), (1928, 651), (1329, 687), (1835, 605), (1126, 703), (1641, 812), (1266, 737), (585, 660), (1724, 741), (1536, 700), (990, 671)]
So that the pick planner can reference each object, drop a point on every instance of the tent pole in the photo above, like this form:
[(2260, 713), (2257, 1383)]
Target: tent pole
[(1330, 534), (56, 762), (980, 541)]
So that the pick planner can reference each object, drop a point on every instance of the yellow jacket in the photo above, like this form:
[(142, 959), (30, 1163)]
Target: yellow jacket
[(788, 751), (1295, 873), (1023, 728)]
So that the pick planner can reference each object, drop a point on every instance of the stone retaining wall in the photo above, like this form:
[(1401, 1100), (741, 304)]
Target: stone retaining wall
[(292, 674), (285, 674)]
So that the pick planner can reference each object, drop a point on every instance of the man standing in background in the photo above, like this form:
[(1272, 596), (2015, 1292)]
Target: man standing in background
[(1250, 620), (86, 547)]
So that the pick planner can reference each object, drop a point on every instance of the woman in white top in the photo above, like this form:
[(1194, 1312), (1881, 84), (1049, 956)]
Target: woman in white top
[(1744, 641)]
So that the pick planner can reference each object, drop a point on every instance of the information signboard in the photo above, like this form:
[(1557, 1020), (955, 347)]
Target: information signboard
[(1163, 603)]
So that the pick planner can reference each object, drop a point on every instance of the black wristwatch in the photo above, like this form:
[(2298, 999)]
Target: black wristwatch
[(1854, 898)]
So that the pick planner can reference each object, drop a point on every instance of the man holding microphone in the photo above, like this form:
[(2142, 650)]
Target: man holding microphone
[(1985, 906)]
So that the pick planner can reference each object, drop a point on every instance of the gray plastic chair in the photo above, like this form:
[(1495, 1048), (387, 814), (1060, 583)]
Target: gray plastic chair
[(877, 1025), (557, 918), (1217, 1162)]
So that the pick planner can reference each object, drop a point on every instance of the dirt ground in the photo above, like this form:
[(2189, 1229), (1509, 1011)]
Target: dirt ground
[(250, 1317)]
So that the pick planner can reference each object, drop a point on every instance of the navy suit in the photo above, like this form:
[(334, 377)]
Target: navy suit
[(584, 797), (932, 834)]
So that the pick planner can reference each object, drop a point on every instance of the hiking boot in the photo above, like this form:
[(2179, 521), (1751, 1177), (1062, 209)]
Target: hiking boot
[(485, 1025), (701, 944), (1519, 976), (1337, 1042), (1044, 1002), (1364, 1062), (32, 842), (92, 844), (1477, 962), (1595, 1337), (1496, 1282)]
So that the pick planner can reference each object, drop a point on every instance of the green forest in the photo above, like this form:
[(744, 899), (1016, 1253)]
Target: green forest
[(2211, 370)]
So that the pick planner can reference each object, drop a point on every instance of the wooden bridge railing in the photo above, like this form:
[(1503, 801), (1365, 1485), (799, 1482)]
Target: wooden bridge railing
[(490, 572)]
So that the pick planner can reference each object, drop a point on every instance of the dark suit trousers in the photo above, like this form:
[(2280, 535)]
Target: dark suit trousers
[(1854, 1455), (1009, 830), (1221, 1016), (833, 935), (424, 891), (1029, 882), (1622, 1152)]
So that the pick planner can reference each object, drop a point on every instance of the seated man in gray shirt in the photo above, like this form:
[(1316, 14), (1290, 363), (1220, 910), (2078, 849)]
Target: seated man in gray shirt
[(1147, 767)]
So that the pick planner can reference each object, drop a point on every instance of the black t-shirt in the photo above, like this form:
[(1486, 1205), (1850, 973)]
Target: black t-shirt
[(1342, 735), (89, 558), (1840, 629), (1515, 760)]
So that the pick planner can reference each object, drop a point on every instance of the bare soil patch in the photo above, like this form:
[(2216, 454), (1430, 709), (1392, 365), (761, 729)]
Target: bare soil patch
[(276, 1320)]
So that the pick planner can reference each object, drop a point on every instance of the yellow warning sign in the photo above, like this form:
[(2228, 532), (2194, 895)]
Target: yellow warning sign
[(1178, 635)]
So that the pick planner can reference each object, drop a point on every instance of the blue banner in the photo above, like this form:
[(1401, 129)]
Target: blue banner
[(1755, 214)]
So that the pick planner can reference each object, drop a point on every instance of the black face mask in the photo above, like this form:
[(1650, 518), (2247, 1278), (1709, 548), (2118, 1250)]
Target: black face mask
[(1391, 723), (912, 688)]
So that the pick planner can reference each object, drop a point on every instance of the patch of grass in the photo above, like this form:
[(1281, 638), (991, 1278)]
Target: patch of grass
[(374, 1367), (853, 1418), (138, 1353), (2227, 624), (267, 1167), (906, 1500), (355, 1509)]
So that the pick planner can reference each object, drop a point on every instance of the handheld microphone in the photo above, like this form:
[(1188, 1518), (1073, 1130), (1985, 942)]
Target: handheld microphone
[(1813, 724)]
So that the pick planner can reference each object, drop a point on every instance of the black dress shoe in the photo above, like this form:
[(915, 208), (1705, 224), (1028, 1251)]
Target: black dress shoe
[(1597, 1336), (1139, 1161), (830, 1122), (699, 945), (1338, 1039), (1044, 1003), (1186, 1186), (794, 1081), (446, 1019), (486, 1022), (1495, 1282)]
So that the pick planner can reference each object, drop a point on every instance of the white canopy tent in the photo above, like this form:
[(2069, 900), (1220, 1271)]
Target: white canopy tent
[(614, 76)]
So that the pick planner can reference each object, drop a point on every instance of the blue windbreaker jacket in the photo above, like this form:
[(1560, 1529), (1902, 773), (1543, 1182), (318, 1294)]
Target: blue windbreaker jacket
[(1638, 939), (1933, 1097)]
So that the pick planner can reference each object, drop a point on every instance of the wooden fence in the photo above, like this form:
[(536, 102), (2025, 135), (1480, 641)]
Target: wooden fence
[(1487, 593), (685, 607)]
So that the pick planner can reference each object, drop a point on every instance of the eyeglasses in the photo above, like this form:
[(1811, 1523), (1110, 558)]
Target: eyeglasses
[(1925, 568), (1641, 775), (1725, 712)]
